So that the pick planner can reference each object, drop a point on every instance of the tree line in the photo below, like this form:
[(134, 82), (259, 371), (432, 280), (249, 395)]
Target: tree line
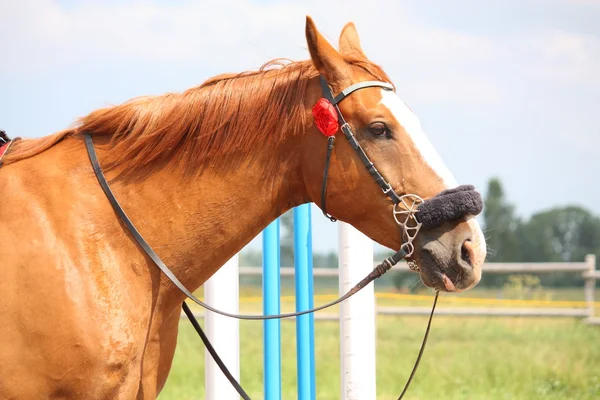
[(560, 234)]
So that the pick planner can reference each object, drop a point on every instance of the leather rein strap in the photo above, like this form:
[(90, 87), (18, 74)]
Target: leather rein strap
[(378, 271)]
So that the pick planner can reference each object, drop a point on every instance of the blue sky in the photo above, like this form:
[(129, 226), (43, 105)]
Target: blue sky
[(503, 88)]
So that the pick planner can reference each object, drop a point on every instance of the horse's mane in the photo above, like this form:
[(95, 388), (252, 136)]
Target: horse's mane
[(224, 115)]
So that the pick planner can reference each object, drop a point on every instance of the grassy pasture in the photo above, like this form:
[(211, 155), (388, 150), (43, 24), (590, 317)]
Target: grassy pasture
[(466, 357)]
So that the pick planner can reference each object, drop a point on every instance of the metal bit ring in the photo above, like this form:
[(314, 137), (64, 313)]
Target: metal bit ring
[(407, 219)]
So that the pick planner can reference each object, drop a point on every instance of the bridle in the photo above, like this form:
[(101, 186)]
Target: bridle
[(405, 217)]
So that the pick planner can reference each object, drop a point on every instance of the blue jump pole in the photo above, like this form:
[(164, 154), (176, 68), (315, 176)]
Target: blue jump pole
[(271, 297), (311, 304), (305, 334)]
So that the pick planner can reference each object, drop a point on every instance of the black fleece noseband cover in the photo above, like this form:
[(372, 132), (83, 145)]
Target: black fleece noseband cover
[(450, 205)]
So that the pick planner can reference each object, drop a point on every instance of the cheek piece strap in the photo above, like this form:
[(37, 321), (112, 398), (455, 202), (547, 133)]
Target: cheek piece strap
[(347, 131)]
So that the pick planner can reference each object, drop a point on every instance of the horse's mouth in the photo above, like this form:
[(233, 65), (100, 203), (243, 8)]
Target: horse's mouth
[(439, 275), (440, 281)]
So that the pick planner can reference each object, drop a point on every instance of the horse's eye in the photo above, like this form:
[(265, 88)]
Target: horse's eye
[(378, 129)]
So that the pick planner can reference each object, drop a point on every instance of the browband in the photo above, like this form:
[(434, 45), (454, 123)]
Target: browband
[(356, 86)]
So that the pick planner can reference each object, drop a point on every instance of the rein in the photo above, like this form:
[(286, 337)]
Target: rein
[(404, 213), (378, 271)]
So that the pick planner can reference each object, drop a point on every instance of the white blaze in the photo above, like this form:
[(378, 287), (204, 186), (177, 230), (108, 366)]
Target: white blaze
[(411, 124)]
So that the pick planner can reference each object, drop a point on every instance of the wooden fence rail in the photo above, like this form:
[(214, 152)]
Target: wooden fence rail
[(587, 269)]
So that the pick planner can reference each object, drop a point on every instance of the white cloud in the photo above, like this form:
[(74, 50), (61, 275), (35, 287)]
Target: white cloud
[(572, 58), (428, 63), (584, 2), (41, 36)]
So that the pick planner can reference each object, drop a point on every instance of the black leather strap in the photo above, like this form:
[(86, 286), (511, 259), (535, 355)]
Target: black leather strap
[(387, 189), (214, 353), (376, 273), (422, 349), (379, 179), (326, 90), (330, 143), (123, 216)]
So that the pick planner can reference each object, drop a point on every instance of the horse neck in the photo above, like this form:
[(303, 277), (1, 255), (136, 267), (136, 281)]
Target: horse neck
[(196, 224)]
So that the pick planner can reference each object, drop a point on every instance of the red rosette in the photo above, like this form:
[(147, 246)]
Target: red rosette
[(326, 118)]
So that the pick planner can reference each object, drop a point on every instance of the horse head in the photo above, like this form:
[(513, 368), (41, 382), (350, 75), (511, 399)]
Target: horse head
[(450, 255)]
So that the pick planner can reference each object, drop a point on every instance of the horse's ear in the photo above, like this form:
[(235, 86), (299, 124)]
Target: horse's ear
[(349, 40), (325, 58)]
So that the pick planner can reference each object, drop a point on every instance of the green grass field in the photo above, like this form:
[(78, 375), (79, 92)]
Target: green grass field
[(466, 357)]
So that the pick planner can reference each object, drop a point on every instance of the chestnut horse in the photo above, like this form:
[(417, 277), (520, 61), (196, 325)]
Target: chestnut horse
[(86, 314)]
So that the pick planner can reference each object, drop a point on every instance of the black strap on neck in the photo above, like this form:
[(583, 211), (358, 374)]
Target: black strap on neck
[(379, 270), (347, 131)]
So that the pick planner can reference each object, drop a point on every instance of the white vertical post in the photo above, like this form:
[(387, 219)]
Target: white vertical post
[(590, 283), (357, 317), (222, 292)]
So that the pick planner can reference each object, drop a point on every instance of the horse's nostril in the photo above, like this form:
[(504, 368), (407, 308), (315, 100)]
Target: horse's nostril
[(466, 252)]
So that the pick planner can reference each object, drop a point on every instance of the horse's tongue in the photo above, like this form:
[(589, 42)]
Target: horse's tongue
[(448, 283)]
